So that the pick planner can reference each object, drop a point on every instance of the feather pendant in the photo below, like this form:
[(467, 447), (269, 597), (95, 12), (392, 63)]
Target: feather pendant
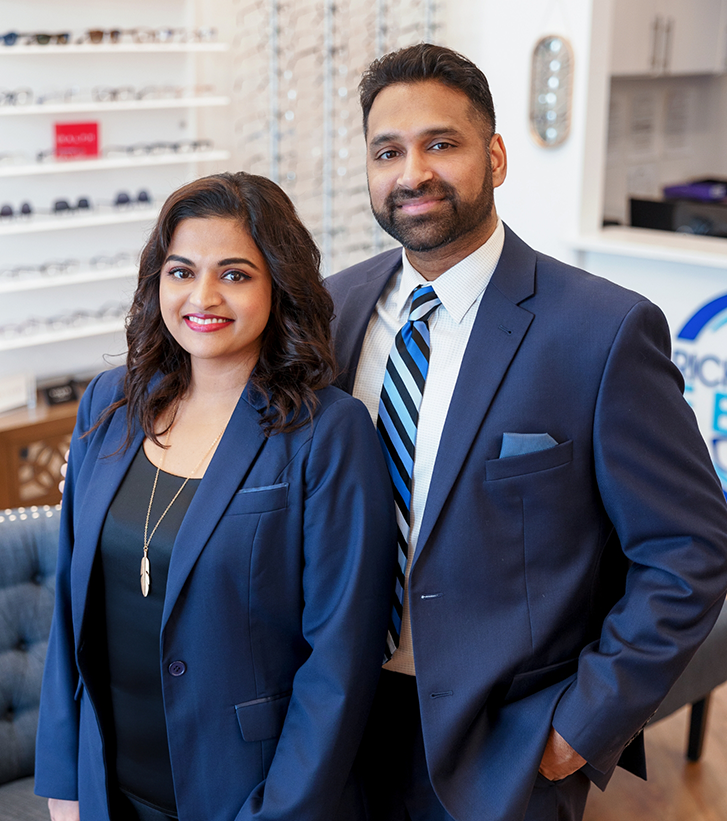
[(145, 576)]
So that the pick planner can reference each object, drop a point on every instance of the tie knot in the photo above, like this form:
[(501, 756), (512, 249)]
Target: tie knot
[(423, 304)]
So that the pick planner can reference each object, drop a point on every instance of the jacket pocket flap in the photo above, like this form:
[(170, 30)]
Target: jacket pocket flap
[(259, 499), (529, 462), (262, 718), (532, 681)]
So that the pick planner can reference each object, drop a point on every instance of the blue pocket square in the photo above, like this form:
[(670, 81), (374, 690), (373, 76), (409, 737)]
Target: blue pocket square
[(516, 444)]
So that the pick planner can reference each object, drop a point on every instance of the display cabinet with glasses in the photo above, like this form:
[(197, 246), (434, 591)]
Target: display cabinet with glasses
[(71, 227), (150, 82)]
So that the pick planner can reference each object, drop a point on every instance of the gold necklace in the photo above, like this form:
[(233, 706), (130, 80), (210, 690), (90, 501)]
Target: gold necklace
[(145, 566)]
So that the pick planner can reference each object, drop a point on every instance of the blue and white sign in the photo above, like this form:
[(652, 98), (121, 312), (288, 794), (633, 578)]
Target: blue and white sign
[(700, 353)]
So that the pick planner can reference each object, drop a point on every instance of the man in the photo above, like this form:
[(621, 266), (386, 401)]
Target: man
[(562, 541)]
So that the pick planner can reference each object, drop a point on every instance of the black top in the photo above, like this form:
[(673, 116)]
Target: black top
[(133, 627)]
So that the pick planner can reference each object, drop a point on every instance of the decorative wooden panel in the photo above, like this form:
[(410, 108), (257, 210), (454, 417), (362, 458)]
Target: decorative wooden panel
[(33, 444)]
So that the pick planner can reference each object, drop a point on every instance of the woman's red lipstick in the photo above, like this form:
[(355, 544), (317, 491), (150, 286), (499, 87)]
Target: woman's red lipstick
[(206, 323)]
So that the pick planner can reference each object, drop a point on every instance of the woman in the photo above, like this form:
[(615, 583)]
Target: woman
[(227, 531)]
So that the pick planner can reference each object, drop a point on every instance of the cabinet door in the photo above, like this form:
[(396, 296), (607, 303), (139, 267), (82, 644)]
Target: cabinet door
[(636, 39), (693, 36), (722, 41)]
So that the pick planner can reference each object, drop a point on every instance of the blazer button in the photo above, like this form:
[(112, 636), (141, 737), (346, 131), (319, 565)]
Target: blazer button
[(177, 668)]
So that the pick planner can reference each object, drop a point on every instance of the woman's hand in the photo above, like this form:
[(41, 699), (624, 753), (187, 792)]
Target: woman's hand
[(61, 810)]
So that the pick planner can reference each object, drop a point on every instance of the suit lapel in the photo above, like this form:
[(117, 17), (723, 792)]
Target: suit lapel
[(354, 314), (230, 464), (108, 473), (499, 329)]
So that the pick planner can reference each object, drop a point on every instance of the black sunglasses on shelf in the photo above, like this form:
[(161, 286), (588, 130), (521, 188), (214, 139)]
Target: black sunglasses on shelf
[(65, 207), (8, 212), (123, 198)]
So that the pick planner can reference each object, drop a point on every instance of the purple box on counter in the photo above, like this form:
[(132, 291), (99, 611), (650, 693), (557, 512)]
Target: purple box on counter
[(702, 190)]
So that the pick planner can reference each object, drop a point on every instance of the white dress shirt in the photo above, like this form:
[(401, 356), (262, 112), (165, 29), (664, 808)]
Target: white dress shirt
[(460, 289)]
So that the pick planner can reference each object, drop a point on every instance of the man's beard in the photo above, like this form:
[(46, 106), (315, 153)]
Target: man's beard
[(426, 232)]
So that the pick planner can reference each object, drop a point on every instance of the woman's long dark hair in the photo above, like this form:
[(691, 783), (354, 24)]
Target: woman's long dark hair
[(295, 357)]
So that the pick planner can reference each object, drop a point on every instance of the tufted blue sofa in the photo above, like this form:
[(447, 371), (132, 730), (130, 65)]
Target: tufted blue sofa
[(28, 549)]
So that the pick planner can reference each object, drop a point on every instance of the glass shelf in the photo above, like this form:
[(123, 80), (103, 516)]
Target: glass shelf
[(109, 326), (120, 161), (63, 222), (121, 105), (112, 48), (40, 282)]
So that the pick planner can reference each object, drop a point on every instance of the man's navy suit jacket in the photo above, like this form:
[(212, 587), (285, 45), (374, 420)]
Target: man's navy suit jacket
[(568, 586), (274, 604)]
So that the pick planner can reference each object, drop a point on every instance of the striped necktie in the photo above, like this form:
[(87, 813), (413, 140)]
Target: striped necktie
[(401, 397)]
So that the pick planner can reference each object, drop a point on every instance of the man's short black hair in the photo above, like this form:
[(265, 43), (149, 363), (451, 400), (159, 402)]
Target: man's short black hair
[(426, 61)]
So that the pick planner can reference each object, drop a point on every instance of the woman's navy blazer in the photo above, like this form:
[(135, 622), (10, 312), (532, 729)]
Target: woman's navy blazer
[(274, 605)]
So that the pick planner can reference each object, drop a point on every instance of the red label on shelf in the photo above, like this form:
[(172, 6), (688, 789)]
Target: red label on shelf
[(75, 140)]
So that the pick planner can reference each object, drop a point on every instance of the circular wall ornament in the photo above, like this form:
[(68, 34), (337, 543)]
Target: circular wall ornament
[(551, 91)]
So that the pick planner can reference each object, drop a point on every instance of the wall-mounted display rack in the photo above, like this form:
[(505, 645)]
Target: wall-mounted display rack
[(169, 101)]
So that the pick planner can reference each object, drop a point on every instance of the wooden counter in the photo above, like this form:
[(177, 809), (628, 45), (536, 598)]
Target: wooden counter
[(33, 444)]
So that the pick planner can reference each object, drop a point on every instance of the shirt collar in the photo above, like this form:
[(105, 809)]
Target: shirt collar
[(458, 287)]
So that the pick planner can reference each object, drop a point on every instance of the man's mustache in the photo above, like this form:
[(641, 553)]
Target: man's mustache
[(439, 190)]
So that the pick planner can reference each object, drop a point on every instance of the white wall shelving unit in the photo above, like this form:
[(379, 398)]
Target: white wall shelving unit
[(197, 112)]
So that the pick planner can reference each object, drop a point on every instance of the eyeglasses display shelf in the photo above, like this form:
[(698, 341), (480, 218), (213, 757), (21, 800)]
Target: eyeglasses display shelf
[(22, 284), (52, 337), (39, 223), (118, 105), (113, 48), (107, 163), (158, 86)]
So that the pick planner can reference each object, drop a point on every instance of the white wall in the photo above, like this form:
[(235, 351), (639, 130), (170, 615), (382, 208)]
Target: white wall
[(550, 194)]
